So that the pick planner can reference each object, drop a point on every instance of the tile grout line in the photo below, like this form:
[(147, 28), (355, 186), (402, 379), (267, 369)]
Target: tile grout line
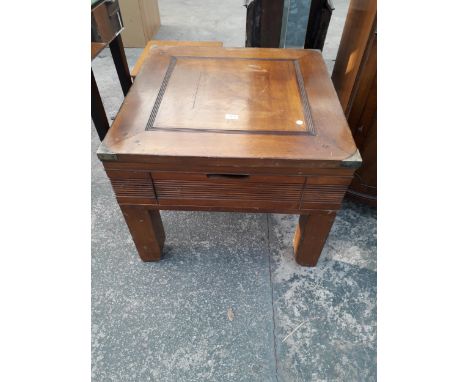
[(272, 298)]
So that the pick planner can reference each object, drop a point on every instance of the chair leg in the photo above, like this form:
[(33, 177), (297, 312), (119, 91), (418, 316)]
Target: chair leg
[(120, 62), (98, 113)]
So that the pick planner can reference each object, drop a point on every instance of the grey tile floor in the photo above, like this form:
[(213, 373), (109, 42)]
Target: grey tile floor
[(168, 321)]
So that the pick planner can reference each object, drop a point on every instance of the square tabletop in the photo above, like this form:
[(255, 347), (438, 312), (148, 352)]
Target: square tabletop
[(232, 104)]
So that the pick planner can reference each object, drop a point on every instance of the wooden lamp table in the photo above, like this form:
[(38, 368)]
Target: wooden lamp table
[(241, 130)]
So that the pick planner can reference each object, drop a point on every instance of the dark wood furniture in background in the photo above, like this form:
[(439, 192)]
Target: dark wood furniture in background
[(214, 129), (355, 80), (263, 23), (319, 18), (106, 26)]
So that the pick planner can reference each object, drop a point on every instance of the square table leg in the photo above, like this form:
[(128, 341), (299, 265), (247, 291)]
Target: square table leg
[(311, 235), (147, 231)]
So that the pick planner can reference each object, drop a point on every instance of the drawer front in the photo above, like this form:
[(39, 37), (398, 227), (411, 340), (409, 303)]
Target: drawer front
[(132, 187), (228, 190), (324, 190)]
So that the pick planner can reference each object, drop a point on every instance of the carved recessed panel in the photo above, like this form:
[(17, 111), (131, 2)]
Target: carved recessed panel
[(235, 95)]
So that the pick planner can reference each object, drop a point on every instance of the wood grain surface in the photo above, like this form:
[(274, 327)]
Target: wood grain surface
[(214, 99), (152, 44)]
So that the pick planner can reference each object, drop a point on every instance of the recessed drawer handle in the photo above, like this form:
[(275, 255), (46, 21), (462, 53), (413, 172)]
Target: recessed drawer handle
[(227, 176)]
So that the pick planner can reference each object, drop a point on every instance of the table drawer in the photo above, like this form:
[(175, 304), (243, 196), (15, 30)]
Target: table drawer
[(227, 190)]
